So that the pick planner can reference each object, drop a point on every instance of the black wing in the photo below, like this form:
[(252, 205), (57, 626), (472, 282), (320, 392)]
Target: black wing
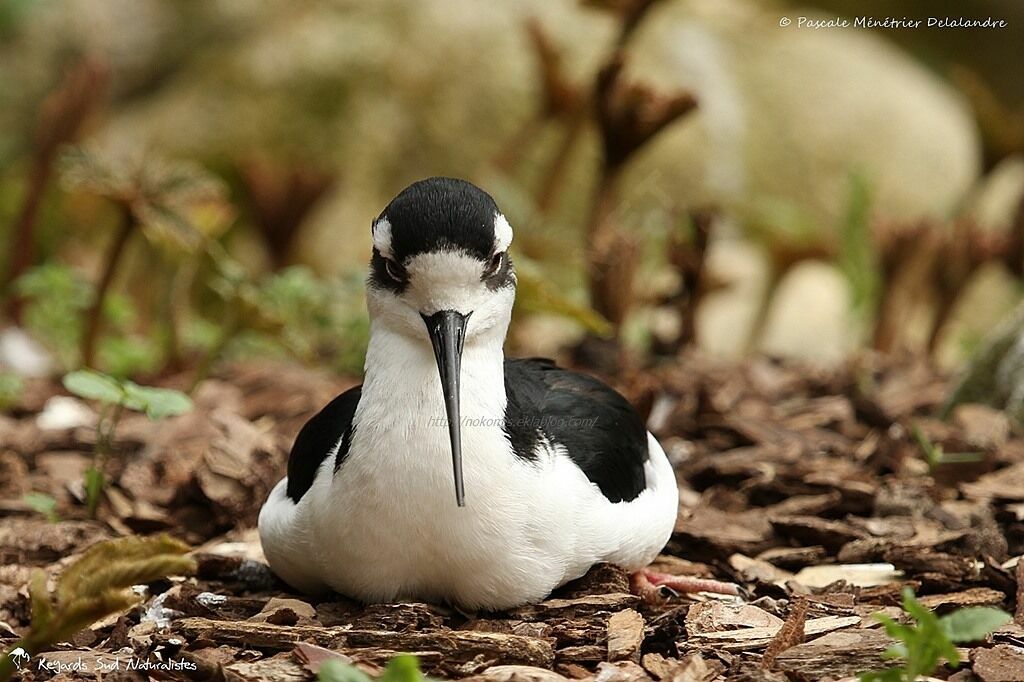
[(317, 438), (601, 431)]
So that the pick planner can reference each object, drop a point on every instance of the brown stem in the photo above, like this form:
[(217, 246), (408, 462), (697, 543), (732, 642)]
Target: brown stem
[(946, 303), (760, 323), (631, 15), (23, 248), (603, 253), (691, 265), (94, 315), (61, 117), (177, 305)]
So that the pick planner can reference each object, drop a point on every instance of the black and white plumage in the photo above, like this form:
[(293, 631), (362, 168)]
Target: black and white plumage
[(556, 470)]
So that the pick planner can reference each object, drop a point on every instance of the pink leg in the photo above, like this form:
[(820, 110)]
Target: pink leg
[(646, 582)]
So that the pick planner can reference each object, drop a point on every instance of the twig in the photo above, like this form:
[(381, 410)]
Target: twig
[(1018, 614), (61, 117), (561, 100), (94, 316), (689, 257), (789, 635), (629, 115), (281, 197)]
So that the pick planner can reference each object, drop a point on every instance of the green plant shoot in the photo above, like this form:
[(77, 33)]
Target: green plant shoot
[(117, 395), (931, 639), (934, 455), (401, 668), (43, 504)]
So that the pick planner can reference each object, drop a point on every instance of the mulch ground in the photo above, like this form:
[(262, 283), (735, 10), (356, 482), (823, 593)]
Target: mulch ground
[(809, 488)]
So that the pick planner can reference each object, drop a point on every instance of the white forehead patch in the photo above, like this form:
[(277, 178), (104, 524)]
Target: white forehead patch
[(502, 233), (382, 237)]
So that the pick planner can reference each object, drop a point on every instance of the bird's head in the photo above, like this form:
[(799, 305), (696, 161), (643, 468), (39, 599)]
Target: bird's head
[(441, 274)]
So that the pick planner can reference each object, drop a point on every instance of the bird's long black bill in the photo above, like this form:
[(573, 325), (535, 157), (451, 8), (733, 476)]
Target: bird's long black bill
[(447, 330)]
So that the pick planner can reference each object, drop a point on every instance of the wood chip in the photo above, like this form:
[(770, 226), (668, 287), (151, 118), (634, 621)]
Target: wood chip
[(836, 655), (811, 530), (982, 426), (623, 671), (1018, 617), (625, 636), (1001, 663), (860, 575), (692, 668), (280, 611), (758, 570), (458, 646), (760, 636), (1005, 484), (575, 608), (794, 558), (976, 596), (280, 668), (711, 617), (313, 656), (588, 653), (516, 673), (790, 634)]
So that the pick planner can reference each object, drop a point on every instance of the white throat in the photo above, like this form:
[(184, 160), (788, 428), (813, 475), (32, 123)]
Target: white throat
[(402, 388)]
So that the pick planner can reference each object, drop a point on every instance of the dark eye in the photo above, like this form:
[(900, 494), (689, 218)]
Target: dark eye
[(394, 270), (495, 263)]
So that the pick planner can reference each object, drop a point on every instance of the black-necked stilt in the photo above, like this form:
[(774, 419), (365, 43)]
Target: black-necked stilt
[(553, 470)]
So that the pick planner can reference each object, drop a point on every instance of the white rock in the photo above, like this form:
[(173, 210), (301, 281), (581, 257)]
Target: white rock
[(995, 202), (23, 355), (62, 412), (809, 316)]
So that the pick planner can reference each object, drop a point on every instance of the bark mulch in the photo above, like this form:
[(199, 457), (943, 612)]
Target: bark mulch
[(822, 492)]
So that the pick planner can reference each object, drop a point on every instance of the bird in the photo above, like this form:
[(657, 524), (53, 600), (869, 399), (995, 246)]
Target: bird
[(453, 474)]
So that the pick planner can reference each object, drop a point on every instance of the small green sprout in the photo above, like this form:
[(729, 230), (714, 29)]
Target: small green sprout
[(290, 312), (927, 642), (55, 297), (117, 395), (43, 504), (401, 668), (934, 455), (94, 587)]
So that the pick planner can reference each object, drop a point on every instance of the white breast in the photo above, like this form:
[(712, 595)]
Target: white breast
[(386, 527)]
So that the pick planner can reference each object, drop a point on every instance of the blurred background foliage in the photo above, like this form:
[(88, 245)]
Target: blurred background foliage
[(184, 181)]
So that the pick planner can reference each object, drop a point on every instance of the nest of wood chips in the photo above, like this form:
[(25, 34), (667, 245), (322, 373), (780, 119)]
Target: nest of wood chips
[(822, 493)]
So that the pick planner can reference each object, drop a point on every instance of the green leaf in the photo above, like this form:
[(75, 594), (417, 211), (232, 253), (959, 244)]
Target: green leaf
[(43, 504), (93, 488), (917, 611), (857, 255), (894, 629), (336, 671), (157, 403), (896, 651), (402, 668), (93, 385), (974, 623)]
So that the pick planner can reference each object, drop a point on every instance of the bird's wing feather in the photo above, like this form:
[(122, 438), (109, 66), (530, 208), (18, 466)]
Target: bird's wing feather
[(330, 427), (598, 428)]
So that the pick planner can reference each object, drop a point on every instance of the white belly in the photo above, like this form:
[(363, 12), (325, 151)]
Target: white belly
[(386, 528)]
